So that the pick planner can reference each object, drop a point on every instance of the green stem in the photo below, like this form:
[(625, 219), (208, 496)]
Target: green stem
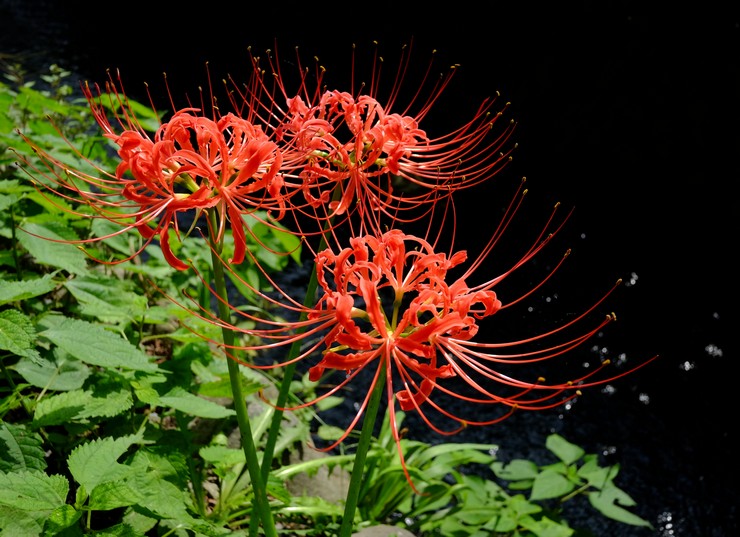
[(250, 451), (358, 468)]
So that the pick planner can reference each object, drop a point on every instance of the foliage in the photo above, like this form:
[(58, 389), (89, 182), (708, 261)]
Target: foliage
[(116, 418)]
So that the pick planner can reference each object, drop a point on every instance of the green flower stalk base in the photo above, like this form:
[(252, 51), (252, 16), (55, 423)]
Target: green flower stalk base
[(261, 502)]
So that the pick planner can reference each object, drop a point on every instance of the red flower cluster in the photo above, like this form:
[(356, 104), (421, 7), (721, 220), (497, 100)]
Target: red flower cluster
[(393, 304), (390, 300)]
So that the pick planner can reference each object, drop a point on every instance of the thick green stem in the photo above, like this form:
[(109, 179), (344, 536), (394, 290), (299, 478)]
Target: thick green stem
[(358, 467), (294, 350), (261, 501), (284, 391)]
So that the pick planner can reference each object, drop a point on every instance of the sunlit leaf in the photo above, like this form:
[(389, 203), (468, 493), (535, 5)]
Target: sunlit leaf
[(550, 484), (20, 449), (45, 242), (96, 462), (63, 374), (611, 501), (18, 334), (184, 401), (95, 345), (565, 451), (25, 289)]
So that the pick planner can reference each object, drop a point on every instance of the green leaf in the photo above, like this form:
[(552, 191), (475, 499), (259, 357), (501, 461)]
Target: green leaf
[(608, 501), (515, 470), (28, 499), (61, 518), (550, 484), (595, 475), (565, 451), (184, 401), (18, 335), (108, 299), (222, 456), (111, 404), (23, 290), (97, 462), (60, 408), (20, 449), (48, 243), (19, 523), (79, 405), (63, 374), (33, 491), (113, 495), (95, 345), (546, 527)]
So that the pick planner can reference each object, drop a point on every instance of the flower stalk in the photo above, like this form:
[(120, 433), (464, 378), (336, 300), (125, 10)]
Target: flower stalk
[(242, 415), (358, 466)]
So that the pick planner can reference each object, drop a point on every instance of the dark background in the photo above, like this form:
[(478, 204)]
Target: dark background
[(629, 113)]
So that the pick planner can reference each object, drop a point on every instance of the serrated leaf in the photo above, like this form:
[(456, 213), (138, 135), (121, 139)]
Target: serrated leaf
[(184, 401), (61, 518), (48, 243), (163, 497), (95, 345), (608, 502), (114, 494), (20, 449), (60, 408), (550, 484), (106, 298), (222, 456), (19, 523), (79, 405), (112, 404), (97, 462), (63, 374), (33, 491), (25, 289), (564, 450), (18, 334)]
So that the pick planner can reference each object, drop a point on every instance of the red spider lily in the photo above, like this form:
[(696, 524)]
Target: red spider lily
[(191, 163), (393, 304), (357, 150)]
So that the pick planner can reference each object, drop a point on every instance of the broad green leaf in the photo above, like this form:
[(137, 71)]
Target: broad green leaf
[(20, 523), (33, 491), (60, 408), (163, 497), (20, 449), (565, 451), (18, 335), (79, 405), (63, 374), (111, 404), (609, 502), (184, 401), (25, 289), (124, 241), (97, 462), (114, 494), (48, 243), (546, 527), (596, 475), (222, 456), (61, 518), (550, 484), (515, 470), (108, 299), (95, 345)]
